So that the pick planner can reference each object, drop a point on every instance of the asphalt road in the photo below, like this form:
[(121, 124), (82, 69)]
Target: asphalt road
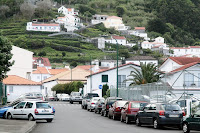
[(70, 118)]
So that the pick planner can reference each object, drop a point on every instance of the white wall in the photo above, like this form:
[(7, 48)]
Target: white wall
[(97, 79), (46, 88), (119, 41), (143, 61), (23, 62), (21, 89), (39, 77), (169, 65)]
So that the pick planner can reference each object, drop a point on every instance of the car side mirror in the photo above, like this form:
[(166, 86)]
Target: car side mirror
[(192, 116), (142, 108), (15, 107), (102, 103)]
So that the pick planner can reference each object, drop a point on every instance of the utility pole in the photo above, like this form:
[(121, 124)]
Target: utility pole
[(117, 66), (90, 74)]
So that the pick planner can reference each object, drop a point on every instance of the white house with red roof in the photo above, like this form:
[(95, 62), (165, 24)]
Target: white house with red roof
[(41, 62), (46, 27), (17, 86), (157, 43), (139, 31), (96, 19), (182, 73), (190, 51), (109, 77), (66, 11), (115, 39)]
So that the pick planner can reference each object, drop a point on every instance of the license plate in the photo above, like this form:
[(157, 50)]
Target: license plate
[(45, 110), (173, 115)]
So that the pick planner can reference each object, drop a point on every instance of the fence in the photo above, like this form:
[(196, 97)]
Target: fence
[(153, 92)]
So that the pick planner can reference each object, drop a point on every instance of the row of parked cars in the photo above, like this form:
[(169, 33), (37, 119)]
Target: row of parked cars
[(29, 106), (142, 112)]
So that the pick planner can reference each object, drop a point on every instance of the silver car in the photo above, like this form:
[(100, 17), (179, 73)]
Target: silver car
[(91, 105)]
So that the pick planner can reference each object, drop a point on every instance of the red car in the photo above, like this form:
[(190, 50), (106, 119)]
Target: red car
[(115, 109), (130, 109)]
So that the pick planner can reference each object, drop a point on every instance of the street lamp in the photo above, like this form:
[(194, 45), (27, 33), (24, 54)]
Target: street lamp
[(117, 65)]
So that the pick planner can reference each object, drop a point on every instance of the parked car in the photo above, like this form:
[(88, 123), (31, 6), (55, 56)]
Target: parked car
[(192, 122), (108, 102), (31, 110), (91, 105), (65, 97), (130, 109), (160, 114), (98, 105), (115, 109), (51, 98), (87, 98), (75, 97), (59, 95)]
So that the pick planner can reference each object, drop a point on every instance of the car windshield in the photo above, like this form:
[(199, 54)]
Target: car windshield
[(76, 94), (93, 95), (111, 101), (121, 103), (38, 95), (198, 112), (42, 105), (138, 105), (65, 95), (171, 107)]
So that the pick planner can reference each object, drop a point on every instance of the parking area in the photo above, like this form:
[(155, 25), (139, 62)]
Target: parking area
[(71, 118)]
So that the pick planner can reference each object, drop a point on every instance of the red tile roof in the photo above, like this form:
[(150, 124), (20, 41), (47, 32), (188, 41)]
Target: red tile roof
[(185, 60), (194, 46), (41, 70), (56, 71), (16, 80), (43, 24), (113, 68), (139, 28), (85, 67), (118, 37), (44, 61), (184, 67)]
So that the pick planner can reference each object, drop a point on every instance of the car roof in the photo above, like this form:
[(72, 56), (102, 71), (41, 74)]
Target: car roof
[(114, 98), (138, 101)]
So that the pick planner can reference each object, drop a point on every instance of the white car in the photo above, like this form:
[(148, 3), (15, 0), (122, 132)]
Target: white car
[(31, 110), (91, 105), (65, 97)]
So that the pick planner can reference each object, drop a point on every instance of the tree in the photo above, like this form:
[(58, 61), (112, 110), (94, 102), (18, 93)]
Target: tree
[(43, 53), (104, 89), (147, 74), (63, 54), (27, 10), (124, 53), (5, 56), (44, 7), (73, 64), (120, 11), (3, 10), (157, 25)]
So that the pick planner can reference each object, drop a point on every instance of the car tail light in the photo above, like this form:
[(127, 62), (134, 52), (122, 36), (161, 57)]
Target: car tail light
[(107, 106), (117, 109), (183, 113), (99, 105), (92, 103), (36, 112), (128, 110), (162, 112)]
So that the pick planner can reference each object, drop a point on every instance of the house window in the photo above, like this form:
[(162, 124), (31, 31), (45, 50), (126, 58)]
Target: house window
[(11, 89), (189, 79), (28, 75), (104, 78), (45, 77), (121, 82)]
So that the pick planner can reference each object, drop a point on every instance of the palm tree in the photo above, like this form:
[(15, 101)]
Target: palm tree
[(147, 74)]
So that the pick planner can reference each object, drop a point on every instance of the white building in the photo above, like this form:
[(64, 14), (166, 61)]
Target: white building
[(17, 86), (66, 11), (142, 59), (46, 27), (114, 39), (106, 63), (96, 19), (116, 23), (159, 42), (99, 42), (191, 51), (109, 77), (23, 61), (139, 31), (41, 62)]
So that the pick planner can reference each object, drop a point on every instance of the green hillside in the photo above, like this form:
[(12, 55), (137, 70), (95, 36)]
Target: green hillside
[(177, 21)]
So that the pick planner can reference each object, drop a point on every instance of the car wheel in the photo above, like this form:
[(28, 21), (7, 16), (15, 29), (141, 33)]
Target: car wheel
[(127, 120), (30, 117), (9, 116), (114, 117), (155, 124), (105, 114), (4, 115), (137, 121), (186, 128), (101, 113), (82, 106), (90, 110), (49, 120), (121, 119)]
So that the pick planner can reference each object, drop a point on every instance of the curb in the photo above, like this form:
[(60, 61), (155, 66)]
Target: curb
[(31, 127)]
